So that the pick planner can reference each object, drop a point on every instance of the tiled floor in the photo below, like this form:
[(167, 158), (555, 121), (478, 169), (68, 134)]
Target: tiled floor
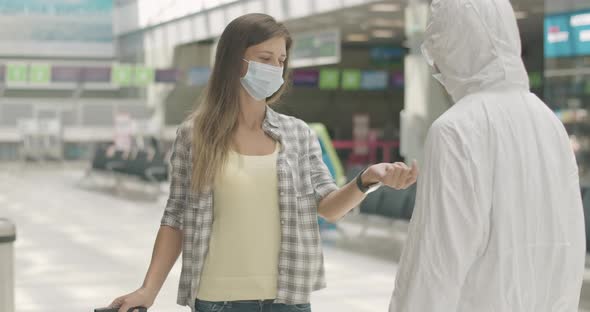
[(79, 248)]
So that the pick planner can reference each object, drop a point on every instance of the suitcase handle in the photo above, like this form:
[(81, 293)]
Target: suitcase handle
[(139, 309)]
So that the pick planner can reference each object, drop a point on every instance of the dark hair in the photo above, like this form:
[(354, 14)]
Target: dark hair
[(216, 117)]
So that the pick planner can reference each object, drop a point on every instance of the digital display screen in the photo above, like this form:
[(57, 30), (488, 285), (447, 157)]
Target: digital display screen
[(567, 34), (65, 74), (397, 79), (198, 76), (168, 75), (329, 79), (306, 77), (351, 79), (96, 74), (374, 80)]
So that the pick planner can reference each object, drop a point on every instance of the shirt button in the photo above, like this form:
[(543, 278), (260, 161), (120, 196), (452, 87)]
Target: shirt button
[(282, 272), (282, 193), (283, 222)]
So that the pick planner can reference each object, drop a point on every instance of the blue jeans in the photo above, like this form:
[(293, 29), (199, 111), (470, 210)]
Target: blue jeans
[(250, 306)]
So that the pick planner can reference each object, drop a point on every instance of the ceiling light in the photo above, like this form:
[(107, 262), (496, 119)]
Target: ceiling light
[(521, 14), (383, 33), (383, 22), (357, 37), (385, 7)]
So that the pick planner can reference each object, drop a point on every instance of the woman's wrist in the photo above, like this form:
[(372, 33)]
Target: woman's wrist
[(150, 291), (368, 177)]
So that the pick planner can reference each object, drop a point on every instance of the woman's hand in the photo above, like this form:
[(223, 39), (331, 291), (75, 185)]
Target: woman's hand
[(397, 175), (139, 298)]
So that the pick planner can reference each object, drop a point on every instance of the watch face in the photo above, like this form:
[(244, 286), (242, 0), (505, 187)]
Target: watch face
[(374, 187)]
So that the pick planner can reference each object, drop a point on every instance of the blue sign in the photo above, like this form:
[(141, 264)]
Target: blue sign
[(374, 80), (387, 53), (78, 21), (198, 76), (557, 36), (567, 35), (56, 7), (580, 25)]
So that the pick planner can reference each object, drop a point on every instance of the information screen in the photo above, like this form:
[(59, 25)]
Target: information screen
[(567, 34)]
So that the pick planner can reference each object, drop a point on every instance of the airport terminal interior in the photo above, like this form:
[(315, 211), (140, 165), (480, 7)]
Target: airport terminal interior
[(92, 93)]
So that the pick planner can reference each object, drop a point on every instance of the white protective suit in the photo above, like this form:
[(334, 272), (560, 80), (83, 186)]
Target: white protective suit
[(498, 224)]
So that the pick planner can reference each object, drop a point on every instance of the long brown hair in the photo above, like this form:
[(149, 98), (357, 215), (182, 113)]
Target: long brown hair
[(215, 119)]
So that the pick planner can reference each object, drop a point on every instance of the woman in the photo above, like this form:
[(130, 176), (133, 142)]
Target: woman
[(247, 186)]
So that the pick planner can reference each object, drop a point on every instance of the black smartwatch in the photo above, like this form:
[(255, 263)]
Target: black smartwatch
[(366, 189)]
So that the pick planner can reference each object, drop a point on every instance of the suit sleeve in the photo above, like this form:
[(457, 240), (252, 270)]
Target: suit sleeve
[(446, 231)]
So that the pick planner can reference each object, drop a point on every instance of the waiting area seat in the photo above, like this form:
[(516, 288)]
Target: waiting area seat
[(138, 164), (390, 203), (140, 168)]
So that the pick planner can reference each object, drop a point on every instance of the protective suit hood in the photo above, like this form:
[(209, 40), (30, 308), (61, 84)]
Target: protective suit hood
[(477, 49)]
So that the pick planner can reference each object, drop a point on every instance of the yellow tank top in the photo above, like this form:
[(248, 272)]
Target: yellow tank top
[(242, 261)]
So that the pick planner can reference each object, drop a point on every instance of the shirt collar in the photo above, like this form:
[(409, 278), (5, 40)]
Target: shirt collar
[(271, 124)]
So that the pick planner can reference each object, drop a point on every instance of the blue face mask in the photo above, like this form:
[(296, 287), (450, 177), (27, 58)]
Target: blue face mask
[(262, 80)]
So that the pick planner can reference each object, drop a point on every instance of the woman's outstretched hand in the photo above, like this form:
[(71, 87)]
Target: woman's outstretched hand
[(397, 175)]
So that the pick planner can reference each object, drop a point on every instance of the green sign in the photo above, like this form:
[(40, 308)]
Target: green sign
[(329, 79), (40, 73), (16, 73), (351, 79), (587, 87), (122, 75), (144, 75), (535, 80)]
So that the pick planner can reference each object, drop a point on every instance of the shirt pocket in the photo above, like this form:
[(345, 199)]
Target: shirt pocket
[(305, 200), (299, 168)]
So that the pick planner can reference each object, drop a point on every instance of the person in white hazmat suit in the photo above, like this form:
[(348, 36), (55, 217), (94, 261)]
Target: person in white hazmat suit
[(498, 224)]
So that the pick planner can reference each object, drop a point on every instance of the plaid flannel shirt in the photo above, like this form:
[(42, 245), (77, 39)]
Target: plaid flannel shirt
[(303, 181)]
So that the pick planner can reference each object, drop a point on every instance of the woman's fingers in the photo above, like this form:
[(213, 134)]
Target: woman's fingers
[(397, 175), (413, 175), (117, 302), (404, 172)]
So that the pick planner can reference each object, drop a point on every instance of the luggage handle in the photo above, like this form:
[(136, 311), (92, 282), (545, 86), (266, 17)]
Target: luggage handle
[(139, 309)]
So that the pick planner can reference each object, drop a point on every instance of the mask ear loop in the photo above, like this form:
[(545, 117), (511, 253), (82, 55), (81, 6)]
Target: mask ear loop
[(248, 69), (426, 55)]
